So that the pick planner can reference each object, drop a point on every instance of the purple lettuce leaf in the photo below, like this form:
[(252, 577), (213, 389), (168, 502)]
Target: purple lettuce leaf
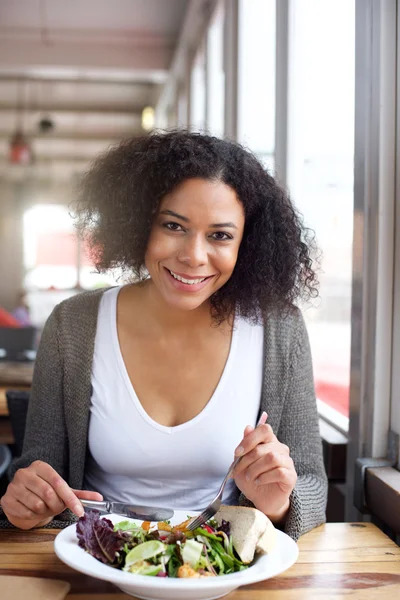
[(225, 527), (97, 536)]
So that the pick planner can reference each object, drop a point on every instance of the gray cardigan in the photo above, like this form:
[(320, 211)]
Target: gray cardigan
[(58, 416)]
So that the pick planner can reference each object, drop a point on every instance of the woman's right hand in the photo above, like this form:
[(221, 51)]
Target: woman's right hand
[(38, 493)]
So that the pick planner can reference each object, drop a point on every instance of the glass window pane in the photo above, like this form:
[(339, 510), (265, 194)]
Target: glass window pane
[(256, 73), (182, 109), (50, 259), (320, 175), (50, 248), (216, 75), (198, 92)]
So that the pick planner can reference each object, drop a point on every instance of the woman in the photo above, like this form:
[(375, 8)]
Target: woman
[(144, 392)]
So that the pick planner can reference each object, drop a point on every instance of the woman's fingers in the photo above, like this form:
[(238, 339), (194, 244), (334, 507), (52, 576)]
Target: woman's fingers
[(48, 501), (38, 493), (60, 487), (269, 452), (43, 481), (87, 495), (285, 478), (13, 508), (32, 502), (269, 462), (261, 434)]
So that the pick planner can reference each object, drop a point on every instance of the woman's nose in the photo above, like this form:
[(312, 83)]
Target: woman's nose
[(193, 251)]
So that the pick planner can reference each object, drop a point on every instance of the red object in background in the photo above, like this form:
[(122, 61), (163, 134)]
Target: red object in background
[(335, 395), (7, 320), (20, 151)]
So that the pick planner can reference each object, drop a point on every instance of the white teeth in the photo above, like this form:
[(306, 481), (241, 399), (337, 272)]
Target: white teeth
[(189, 281)]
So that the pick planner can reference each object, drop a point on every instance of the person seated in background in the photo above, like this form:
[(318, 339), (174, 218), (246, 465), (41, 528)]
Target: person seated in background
[(21, 312), (145, 392)]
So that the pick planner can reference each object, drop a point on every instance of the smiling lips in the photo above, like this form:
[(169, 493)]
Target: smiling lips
[(194, 283)]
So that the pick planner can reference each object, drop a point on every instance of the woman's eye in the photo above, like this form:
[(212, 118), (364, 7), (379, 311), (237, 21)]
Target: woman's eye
[(221, 236), (173, 226)]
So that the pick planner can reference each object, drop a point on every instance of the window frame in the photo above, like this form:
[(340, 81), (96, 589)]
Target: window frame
[(395, 383), (373, 308)]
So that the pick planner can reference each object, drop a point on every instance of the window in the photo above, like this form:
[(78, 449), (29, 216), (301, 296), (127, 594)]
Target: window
[(50, 248), (395, 399), (216, 75), (56, 264), (198, 91), (256, 78), (320, 178), (182, 105)]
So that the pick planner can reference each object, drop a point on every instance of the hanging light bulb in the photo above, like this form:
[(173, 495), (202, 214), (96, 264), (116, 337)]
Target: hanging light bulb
[(148, 118), (20, 152)]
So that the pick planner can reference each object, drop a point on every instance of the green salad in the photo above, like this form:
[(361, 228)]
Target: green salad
[(160, 550)]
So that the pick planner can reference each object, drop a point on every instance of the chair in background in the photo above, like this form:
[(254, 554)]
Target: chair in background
[(18, 343), (17, 403), (5, 459)]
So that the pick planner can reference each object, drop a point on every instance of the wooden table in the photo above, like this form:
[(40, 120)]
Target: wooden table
[(16, 373), (336, 560)]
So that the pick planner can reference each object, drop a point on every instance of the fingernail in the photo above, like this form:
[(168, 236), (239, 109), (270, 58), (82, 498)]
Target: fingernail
[(239, 451), (78, 510), (247, 477)]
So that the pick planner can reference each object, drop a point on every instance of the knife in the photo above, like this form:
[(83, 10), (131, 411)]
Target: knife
[(143, 513)]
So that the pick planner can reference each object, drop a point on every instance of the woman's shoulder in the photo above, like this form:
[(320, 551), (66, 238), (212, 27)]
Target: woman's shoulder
[(287, 319), (285, 330), (89, 300), (77, 313)]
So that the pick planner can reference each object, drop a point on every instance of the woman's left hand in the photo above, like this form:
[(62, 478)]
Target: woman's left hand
[(266, 473)]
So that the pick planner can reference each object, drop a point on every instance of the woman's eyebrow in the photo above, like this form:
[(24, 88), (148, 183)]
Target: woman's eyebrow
[(216, 225), (174, 214), (171, 213)]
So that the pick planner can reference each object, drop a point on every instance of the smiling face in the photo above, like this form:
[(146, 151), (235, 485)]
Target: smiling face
[(194, 242)]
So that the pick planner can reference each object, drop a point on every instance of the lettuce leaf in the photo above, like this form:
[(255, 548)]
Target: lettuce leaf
[(97, 536)]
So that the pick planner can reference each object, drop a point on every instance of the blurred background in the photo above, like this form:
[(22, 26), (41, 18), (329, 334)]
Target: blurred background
[(299, 82)]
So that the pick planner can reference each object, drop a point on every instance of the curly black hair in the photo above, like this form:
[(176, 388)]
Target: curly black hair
[(119, 196)]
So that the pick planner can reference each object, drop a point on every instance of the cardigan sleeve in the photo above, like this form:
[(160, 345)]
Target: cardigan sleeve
[(45, 435), (299, 430)]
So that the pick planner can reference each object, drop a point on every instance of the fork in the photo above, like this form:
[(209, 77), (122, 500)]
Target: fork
[(215, 505)]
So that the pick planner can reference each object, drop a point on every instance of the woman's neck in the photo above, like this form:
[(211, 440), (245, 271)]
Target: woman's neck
[(161, 317)]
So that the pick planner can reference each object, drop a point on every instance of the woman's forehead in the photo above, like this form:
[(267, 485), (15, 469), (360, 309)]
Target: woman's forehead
[(198, 197)]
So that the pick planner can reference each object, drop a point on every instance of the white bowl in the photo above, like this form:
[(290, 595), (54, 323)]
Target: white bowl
[(283, 556)]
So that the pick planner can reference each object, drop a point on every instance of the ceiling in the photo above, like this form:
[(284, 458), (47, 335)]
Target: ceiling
[(90, 66)]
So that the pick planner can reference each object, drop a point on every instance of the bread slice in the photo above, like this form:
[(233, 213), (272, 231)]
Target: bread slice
[(252, 532)]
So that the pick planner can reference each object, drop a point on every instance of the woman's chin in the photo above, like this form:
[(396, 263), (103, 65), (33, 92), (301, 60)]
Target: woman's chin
[(185, 304)]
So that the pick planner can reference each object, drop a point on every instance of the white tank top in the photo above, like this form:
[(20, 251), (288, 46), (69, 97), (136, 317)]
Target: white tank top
[(134, 459)]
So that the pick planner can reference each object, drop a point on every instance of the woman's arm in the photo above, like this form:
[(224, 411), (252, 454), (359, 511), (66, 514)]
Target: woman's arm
[(45, 435), (299, 430), (38, 490)]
